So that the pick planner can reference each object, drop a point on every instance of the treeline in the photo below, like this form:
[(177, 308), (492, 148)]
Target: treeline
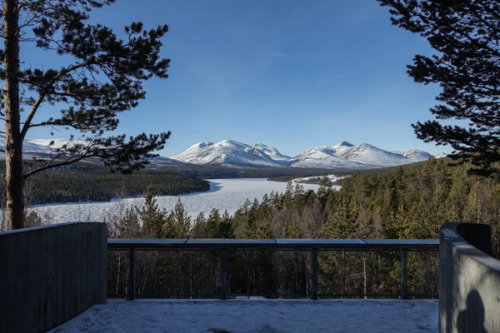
[(218, 171), (406, 202), (90, 182)]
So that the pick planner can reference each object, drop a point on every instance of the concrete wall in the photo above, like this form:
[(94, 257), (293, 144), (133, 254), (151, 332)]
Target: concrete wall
[(51, 274), (469, 280)]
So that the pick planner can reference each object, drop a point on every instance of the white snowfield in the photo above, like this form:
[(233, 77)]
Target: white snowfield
[(258, 316)]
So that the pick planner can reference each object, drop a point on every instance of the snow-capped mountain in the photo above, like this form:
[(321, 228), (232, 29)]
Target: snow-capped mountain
[(340, 156), (417, 155), (39, 148), (30, 149), (365, 153), (325, 157), (234, 154)]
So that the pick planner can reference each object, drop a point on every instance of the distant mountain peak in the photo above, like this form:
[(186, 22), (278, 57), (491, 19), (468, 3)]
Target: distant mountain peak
[(205, 144), (343, 144), (234, 154)]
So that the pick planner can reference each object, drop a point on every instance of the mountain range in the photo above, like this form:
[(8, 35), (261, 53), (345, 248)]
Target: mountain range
[(343, 155), (230, 153)]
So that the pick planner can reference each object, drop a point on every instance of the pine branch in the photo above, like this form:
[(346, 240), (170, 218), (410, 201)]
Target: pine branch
[(44, 93)]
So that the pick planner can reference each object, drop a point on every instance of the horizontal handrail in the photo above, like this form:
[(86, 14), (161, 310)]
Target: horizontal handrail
[(198, 243), (313, 245)]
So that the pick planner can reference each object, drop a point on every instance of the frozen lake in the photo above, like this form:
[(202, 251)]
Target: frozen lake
[(224, 194)]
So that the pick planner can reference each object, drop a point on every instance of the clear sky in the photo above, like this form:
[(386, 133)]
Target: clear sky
[(293, 74)]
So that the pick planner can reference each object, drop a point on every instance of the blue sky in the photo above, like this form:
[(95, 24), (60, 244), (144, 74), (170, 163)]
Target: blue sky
[(290, 74)]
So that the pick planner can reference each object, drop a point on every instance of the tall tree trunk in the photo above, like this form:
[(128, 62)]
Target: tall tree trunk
[(14, 179)]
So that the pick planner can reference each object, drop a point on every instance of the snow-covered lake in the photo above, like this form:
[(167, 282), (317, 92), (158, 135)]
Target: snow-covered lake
[(224, 194)]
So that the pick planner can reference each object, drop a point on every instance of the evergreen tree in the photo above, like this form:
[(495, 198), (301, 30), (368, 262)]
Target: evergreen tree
[(216, 226), (465, 34), (325, 181), (181, 221), (153, 220), (129, 226), (264, 230), (199, 229), (292, 229), (105, 78), (341, 225), (226, 226), (288, 196), (212, 228), (250, 223)]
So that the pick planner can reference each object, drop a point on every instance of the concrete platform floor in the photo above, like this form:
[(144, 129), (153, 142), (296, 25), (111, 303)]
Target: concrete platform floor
[(245, 315)]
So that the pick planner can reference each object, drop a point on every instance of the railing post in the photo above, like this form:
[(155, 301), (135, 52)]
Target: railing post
[(131, 275), (404, 273), (223, 269), (314, 275)]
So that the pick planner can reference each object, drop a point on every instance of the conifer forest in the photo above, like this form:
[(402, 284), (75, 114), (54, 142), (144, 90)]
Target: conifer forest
[(409, 202)]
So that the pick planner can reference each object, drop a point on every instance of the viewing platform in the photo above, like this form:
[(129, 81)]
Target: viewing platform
[(61, 282)]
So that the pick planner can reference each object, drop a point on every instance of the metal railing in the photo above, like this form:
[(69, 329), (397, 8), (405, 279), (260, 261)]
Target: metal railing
[(313, 245)]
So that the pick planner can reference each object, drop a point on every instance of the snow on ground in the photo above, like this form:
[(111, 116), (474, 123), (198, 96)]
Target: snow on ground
[(257, 315), (225, 194), (333, 178)]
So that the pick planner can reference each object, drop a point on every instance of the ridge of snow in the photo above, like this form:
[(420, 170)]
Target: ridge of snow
[(30, 147), (413, 154), (440, 155)]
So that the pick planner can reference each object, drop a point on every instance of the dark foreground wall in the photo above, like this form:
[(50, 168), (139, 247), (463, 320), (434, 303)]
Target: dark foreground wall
[(50, 274), (469, 280)]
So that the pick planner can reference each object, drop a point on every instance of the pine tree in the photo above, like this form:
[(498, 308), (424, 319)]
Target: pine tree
[(153, 220), (288, 196), (292, 229), (105, 78), (182, 222), (212, 224), (199, 229), (129, 226), (250, 224), (465, 34), (341, 224)]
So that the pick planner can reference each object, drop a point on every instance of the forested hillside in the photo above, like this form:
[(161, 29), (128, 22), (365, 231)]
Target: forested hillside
[(404, 202)]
